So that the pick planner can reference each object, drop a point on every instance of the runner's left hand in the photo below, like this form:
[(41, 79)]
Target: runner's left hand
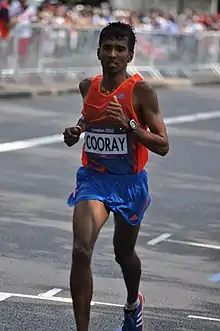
[(115, 111)]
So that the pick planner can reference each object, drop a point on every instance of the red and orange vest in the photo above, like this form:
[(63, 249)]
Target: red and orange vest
[(107, 148)]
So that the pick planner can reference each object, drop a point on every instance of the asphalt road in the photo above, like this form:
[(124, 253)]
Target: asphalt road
[(35, 222)]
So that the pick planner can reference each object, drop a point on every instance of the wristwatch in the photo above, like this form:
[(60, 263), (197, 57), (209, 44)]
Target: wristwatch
[(79, 128), (133, 125)]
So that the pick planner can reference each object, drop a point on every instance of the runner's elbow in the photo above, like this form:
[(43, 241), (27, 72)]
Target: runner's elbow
[(163, 150)]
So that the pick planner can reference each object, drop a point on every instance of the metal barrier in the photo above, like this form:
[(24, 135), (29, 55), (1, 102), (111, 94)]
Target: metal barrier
[(48, 54), (178, 55)]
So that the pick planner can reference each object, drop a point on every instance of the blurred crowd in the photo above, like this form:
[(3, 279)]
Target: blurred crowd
[(154, 19), (51, 12)]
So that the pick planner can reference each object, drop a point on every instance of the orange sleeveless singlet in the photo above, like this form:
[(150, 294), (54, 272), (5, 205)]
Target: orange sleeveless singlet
[(107, 148)]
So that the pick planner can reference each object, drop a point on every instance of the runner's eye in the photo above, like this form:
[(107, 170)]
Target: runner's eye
[(120, 49)]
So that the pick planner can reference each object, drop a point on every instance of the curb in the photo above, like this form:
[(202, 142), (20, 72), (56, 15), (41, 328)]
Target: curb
[(15, 94), (205, 83), (55, 91), (170, 85), (7, 93)]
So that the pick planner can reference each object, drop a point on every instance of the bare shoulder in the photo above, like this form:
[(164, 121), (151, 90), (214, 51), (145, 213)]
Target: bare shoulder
[(146, 96), (143, 89), (84, 86)]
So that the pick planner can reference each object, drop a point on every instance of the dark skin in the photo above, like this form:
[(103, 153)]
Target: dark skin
[(145, 103), (90, 216)]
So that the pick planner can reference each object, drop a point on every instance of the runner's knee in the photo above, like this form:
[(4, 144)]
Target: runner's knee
[(123, 258), (81, 255)]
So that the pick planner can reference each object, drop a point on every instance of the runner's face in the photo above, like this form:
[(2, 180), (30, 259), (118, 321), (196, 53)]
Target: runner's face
[(114, 55)]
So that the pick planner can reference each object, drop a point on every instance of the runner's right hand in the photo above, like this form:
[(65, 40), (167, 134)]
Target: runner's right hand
[(71, 135)]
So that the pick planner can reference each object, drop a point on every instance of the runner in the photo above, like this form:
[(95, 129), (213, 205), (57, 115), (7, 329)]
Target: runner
[(118, 111)]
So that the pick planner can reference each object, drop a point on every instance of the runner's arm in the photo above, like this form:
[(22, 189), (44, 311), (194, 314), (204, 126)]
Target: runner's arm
[(72, 134), (84, 86), (156, 140)]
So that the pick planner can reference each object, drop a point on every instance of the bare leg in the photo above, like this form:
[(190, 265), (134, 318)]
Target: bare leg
[(88, 219), (125, 238)]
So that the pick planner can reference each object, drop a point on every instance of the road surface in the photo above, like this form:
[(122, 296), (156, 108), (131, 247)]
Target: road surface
[(179, 242)]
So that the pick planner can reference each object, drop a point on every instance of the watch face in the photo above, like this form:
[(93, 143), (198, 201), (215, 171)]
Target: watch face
[(133, 124)]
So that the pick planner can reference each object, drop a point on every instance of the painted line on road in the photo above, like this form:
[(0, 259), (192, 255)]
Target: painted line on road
[(29, 143), (57, 138), (6, 295), (189, 243), (28, 296), (98, 303), (192, 118), (204, 318), (159, 239), (50, 293), (215, 278)]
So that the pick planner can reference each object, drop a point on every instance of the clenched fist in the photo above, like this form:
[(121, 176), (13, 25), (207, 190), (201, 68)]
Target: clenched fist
[(72, 135)]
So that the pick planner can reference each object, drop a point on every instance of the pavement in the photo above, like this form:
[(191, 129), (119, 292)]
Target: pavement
[(28, 89), (179, 242)]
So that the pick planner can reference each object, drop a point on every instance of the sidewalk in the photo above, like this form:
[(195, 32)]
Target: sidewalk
[(9, 90)]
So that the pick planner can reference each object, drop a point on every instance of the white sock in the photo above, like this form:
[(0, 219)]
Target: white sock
[(132, 306)]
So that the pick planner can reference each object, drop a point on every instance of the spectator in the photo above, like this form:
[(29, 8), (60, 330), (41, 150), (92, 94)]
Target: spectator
[(172, 26), (52, 12), (15, 8), (4, 19), (23, 16)]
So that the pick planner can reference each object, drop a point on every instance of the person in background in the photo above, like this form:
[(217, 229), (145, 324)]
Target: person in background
[(23, 16), (172, 27), (4, 19)]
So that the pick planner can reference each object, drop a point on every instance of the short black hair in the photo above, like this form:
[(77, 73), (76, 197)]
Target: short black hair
[(119, 31)]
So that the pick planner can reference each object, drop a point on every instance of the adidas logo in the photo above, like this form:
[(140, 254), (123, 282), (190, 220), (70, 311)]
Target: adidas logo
[(121, 96), (139, 319)]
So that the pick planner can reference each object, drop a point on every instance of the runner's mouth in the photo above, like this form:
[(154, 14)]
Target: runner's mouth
[(112, 64)]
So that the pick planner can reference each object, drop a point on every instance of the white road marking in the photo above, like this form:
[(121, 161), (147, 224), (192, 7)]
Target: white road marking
[(159, 239), (192, 118), (57, 138), (33, 142), (107, 304), (204, 318), (6, 295), (50, 293), (27, 296), (189, 243)]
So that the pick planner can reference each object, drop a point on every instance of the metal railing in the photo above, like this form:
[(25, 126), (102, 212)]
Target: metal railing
[(178, 55), (48, 54)]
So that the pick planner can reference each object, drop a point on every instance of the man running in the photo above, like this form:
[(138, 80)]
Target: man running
[(122, 121)]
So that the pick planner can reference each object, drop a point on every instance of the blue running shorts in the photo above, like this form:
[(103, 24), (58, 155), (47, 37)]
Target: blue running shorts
[(124, 194)]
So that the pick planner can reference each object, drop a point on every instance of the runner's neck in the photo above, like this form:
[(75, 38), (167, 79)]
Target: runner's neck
[(109, 83)]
